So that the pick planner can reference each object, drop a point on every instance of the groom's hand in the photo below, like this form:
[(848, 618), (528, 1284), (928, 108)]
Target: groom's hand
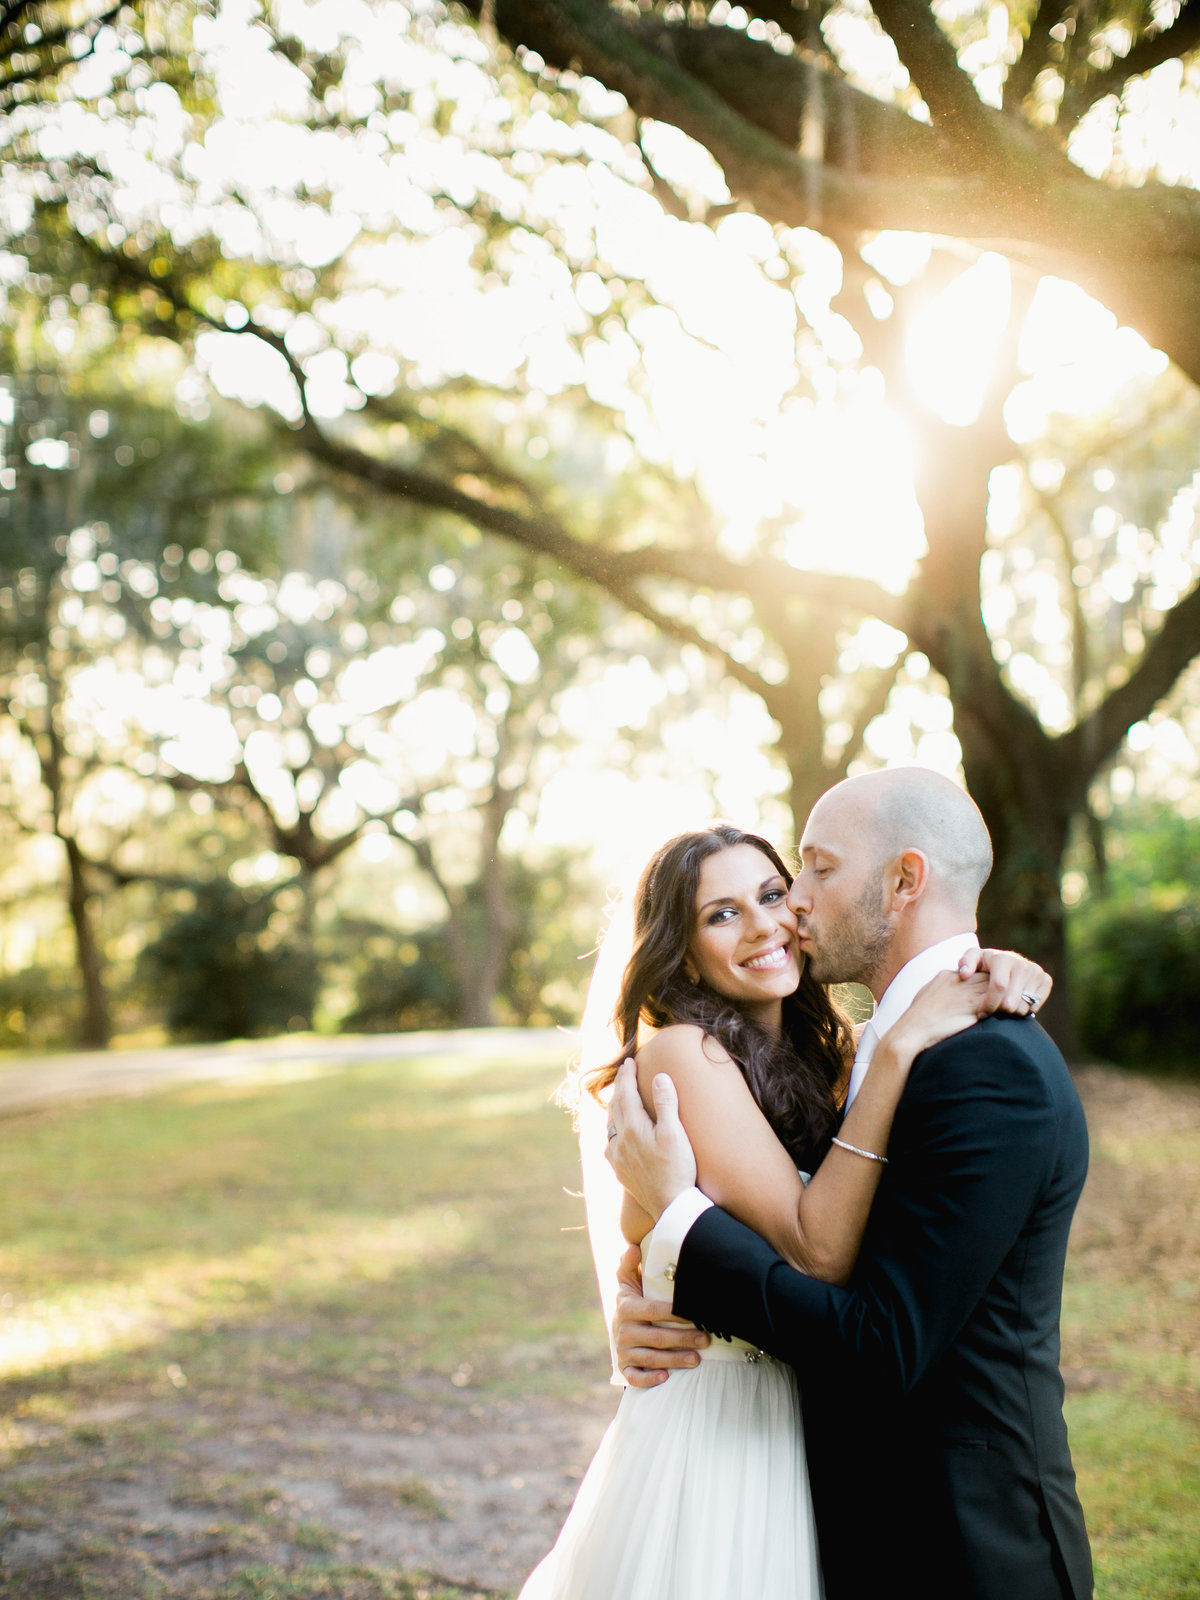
[(652, 1160), (649, 1340)]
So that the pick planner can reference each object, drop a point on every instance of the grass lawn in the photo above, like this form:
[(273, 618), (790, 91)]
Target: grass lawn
[(330, 1332), (1131, 1336)]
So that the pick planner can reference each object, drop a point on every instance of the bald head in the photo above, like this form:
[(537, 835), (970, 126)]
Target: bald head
[(912, 808)]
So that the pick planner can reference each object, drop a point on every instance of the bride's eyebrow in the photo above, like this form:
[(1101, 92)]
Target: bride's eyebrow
[(731, 899), (722, 900)]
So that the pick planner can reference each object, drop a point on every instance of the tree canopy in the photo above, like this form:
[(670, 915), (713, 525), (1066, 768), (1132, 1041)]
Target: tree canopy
[(982, 137)]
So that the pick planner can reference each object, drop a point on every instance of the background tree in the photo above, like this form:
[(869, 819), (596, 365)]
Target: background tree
[(87, 559), (988, 174), (422, 706), (41, 45), (146, 662)]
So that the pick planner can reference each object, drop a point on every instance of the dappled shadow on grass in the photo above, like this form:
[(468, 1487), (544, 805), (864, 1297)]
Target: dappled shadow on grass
[(209, 1209)]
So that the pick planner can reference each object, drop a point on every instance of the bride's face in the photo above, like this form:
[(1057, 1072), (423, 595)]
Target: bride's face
[(743, 941)]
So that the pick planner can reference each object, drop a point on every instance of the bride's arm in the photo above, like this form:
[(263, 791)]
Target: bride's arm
[(635, 1223), (742, 1166)]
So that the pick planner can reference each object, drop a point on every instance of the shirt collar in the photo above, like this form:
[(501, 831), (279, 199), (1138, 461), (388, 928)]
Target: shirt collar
[(915, 974)]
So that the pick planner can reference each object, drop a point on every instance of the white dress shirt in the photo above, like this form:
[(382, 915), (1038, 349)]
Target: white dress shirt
[(661, 1256), (900, 994)]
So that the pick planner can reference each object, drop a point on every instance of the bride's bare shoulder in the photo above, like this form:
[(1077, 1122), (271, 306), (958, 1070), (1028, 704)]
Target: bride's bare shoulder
[(678, 1048), (689, 1057)]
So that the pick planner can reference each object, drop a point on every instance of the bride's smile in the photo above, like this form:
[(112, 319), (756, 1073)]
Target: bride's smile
[(778, 957)]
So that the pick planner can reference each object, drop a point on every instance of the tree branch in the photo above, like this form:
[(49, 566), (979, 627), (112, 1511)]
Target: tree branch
[(1074, 600), (613, 569), (873, 706), (1182, 36), (1098, 737), (390, 408), (799, 23), (46, 66), (121, 877), (1036, 54), (932, 63), (423, 851)]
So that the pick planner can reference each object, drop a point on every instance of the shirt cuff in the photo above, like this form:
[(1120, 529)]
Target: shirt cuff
[(660, 1251)]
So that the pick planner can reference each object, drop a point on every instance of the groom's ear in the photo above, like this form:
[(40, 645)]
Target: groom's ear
[(907, 878)]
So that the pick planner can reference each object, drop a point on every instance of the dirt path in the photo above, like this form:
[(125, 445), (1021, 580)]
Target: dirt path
[(57, 1079)]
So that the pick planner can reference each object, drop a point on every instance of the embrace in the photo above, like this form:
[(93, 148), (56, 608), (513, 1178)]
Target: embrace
[(840, 1328)]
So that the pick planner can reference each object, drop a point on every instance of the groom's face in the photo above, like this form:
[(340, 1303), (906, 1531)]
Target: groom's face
[(838, 895)]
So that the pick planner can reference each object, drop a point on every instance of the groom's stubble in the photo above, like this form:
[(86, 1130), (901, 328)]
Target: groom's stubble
[(853, 947)]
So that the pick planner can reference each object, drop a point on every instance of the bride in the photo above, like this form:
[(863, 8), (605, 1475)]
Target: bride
[(699, 1489)]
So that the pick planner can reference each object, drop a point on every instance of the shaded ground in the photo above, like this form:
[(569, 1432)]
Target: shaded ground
[(472, 1493), (373, 1408)]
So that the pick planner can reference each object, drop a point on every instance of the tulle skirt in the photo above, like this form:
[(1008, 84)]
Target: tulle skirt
[(699, 1491)]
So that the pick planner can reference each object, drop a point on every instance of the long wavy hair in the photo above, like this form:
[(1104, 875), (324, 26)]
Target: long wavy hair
[(795, 1076)]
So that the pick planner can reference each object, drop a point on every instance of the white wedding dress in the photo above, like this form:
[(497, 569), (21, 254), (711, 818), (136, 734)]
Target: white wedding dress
[(699, 1491)]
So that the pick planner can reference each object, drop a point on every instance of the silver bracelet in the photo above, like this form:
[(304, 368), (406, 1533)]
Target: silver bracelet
[(854, 1150)]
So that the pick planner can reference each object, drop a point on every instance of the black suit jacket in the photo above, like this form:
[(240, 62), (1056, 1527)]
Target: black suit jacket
[(932, 1393)]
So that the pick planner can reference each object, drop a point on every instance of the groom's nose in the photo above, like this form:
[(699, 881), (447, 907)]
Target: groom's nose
[(798, 898)]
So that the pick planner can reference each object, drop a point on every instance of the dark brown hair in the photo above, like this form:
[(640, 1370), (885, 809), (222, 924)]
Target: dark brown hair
[(795, 1077)]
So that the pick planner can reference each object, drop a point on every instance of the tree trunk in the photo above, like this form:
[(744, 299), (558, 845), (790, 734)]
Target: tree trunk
[(96, 1030), (478, 953), (481, 981), (1021, 906), (497, 935)]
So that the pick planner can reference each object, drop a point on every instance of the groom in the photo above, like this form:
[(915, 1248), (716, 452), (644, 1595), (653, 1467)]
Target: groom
[(931, 1390)]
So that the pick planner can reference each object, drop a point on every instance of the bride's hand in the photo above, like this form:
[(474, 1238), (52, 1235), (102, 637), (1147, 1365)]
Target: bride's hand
[(945, 1006), (1015, 983)]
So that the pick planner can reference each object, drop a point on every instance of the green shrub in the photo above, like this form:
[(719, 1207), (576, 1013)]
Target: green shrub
[(1136, 978), (401, 982), (227, 969), (38, 1008)]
